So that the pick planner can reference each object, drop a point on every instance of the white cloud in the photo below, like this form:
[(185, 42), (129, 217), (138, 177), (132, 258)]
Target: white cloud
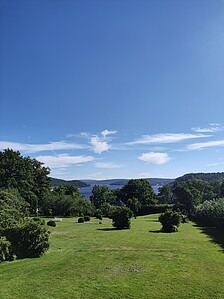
[(99, 146), (203, 145), (107, 132), (167, 138), (33, 148), (107, 165), (212, 128), (63, 160), (155, 158)]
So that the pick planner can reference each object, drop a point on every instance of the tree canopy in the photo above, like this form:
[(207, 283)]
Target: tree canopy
[(24, 174)]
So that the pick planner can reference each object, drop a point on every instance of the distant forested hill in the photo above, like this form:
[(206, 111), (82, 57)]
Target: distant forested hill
[(122, 182), (152, 181), (212, 176), (58, 182)]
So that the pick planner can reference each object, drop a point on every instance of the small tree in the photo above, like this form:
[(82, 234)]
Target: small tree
[(121, 217), (170, 220)]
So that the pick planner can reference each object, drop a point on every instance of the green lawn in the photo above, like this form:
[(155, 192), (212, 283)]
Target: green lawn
[(91, 261)]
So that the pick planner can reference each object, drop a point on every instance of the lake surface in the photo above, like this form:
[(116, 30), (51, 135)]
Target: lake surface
[(87, 191)]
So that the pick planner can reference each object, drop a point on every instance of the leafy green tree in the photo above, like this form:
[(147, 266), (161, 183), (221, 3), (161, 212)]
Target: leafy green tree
[(134, 205), (26, 175), (140, 189), (166, 194), (66, 201), (101, 195), (121, 217), (12, 209)]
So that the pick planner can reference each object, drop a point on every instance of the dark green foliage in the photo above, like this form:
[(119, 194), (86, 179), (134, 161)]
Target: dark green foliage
[(155, 209), (101, 195), (139, 189), (39, 220), (26, 175), (209, 177), (12, 209), (190, 193), (81, 220), (51, 223), (121, 217), (28, 239), (211, 212), (66, 201), (5, 250), (98, 215), (86, 218), (170, 220), (166, 194), (134, 205)]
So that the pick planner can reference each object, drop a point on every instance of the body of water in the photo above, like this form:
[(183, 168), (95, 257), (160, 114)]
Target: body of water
[(87, 191)]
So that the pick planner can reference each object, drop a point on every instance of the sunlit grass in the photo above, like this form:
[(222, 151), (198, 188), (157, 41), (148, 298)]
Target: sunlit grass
[(91, 260)]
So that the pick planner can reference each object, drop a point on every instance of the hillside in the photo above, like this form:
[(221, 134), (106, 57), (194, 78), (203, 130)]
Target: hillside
[(211, 176), (122, 182), (57, 182)]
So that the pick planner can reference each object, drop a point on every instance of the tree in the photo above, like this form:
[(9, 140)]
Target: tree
[(140, 189), (121, 217), (101, 195), (66, 201), (134, 205), (26, 175), (166, 194)]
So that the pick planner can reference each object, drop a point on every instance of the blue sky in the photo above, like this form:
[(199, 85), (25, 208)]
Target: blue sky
[(114, 88)]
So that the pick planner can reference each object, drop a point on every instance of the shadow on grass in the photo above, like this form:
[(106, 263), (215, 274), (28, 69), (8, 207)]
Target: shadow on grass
[(107, 229), (215, 233), (152, 220), (156, 231)]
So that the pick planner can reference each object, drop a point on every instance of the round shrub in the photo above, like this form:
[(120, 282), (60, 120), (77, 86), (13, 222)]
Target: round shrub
[(86, 218), (99, 216), (121, 217), (170, 220), (81, 220), (51, 223), (28, 239)]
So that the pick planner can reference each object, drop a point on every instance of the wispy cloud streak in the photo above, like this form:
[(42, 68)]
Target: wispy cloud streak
[(63, 160), (203, 145), (33, 148), (167, 138)]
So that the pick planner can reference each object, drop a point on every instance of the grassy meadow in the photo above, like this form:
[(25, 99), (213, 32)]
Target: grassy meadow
[(91, 260)]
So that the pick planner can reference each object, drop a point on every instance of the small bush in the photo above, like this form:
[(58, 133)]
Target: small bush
[(86, 218), (99, 216), (81, 220), (121, 217), (5, 250), (28, 239), (51, 223), (170, 220)]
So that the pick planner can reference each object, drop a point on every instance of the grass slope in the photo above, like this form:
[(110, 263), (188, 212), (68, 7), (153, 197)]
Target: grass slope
[(92, 260)]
